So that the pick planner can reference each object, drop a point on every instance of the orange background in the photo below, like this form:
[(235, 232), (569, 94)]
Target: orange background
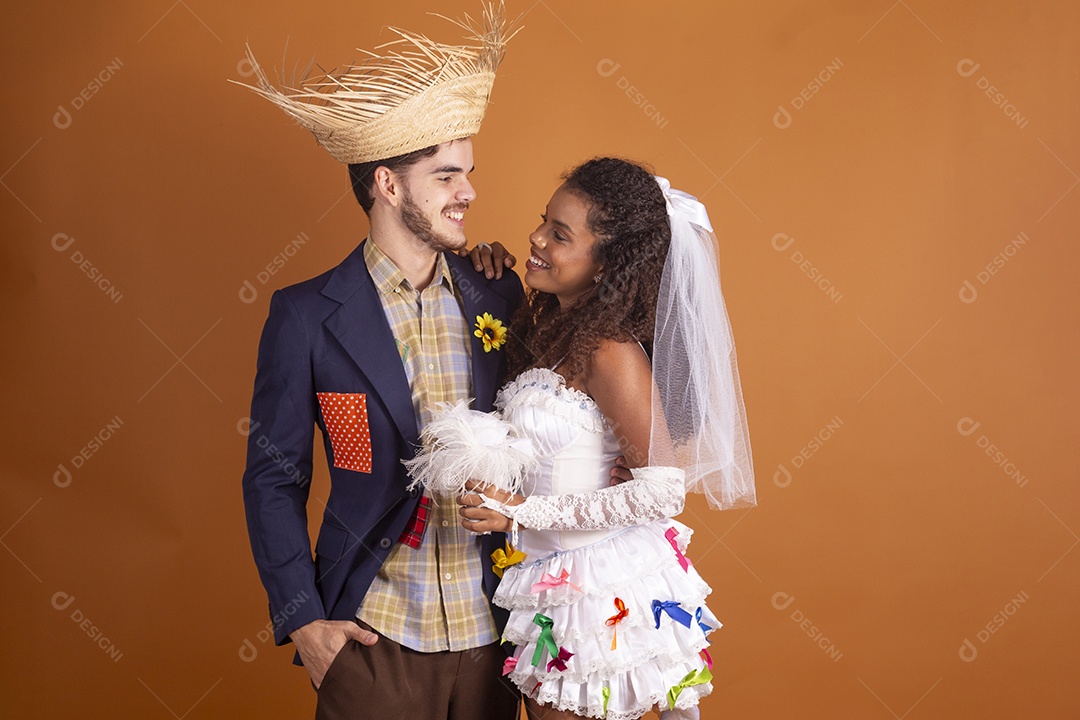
[(854, 222)]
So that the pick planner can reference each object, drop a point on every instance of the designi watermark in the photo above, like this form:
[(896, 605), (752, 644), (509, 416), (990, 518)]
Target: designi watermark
[(61, 242), (967, 426), (968, 67), (782, 601), (248, 292), (781, 242), (968, 292), (62, 119), (249, 650), (783, 117), (782, 476), (607, 68), (63, 476), (62, 601), (969, 650), (245, 427)]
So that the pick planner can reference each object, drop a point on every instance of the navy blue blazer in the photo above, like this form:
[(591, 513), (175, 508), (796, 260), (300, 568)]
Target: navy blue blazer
[(330, 334)]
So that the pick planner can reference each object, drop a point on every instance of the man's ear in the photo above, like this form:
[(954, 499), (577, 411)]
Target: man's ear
[(387, 184)]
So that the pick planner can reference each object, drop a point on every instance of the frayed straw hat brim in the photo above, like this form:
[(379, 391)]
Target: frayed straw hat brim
[(420, 93)]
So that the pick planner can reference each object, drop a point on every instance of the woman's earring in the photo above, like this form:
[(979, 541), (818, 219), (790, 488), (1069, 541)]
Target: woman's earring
[(597, 279)]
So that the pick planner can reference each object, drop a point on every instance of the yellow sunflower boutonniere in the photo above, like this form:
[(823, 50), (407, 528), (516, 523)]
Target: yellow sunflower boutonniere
[(491, 331)]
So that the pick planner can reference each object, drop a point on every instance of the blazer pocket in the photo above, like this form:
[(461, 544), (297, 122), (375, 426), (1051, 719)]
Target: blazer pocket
[(332, 542), (345, 415)]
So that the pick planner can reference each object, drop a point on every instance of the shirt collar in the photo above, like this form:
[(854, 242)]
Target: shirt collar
[(387, 276)]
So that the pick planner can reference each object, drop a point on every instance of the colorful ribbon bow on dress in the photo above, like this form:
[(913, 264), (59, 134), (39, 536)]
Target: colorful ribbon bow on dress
[(671, 534), (671, 608), (697, 677), (546, 640), (505, 558), (549, 581), (559, 663), (615, 619), (509, 664), (705, 627)]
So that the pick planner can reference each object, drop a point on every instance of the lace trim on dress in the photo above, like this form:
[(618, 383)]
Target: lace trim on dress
[(548, 389), (550, 694)]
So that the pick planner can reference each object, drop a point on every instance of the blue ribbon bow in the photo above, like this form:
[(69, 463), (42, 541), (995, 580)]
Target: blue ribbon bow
[(672, 609), (705, 627)]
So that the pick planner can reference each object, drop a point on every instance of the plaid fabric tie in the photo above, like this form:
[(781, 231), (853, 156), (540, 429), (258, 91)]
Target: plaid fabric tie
[(414, 530)]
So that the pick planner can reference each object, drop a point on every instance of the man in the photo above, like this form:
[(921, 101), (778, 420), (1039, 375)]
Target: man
[(392, 618)]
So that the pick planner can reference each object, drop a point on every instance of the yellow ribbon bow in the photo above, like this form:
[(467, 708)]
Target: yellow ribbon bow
[(504, 559), (697, 677)]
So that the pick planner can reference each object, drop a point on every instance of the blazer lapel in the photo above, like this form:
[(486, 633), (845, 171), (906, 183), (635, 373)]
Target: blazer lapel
[(485, 365), (361, 327)]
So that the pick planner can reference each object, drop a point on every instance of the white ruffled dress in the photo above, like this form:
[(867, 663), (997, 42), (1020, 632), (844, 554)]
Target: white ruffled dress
[(577, 577)]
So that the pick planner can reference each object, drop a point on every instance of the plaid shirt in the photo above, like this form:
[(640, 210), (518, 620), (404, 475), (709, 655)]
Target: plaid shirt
[(429, 598)]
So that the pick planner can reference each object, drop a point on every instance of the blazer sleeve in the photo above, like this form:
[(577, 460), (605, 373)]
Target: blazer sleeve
[(277, 477)]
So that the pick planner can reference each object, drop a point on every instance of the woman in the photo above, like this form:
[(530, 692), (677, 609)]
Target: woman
[(607, 613)]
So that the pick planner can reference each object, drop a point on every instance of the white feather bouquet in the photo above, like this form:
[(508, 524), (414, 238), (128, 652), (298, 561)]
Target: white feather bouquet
[(461, 444)]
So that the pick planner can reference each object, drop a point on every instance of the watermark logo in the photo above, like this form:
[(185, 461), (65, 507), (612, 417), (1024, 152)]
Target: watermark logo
[(782, 119), (782, 477), (62, 601), (62, 119), (248, 291), (244, 68), (781, 242), (607, 68), (782, 601), (968, 292), (61, 242), (967, 426), (245, 427), (249, 651), (63, 476), (969, 651), (634, 455), (967, 68)]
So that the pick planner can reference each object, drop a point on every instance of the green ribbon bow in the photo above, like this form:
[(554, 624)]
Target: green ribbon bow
[(546, 640), (606, 692), (697, 677)]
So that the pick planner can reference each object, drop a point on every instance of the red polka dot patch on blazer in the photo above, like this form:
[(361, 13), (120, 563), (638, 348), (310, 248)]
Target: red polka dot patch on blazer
[(346, 420)]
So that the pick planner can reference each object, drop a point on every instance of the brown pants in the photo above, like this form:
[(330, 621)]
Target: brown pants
[(391, 682)]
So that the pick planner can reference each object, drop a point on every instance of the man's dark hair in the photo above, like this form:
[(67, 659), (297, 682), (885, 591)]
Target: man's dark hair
[(362, 175)]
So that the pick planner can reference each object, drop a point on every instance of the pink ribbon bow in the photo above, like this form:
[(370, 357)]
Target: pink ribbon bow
[(549, 581), (671, 534), (509, 664), (559, 663)]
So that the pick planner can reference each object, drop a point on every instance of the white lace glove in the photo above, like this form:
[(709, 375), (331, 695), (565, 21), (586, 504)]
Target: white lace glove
[(654, 493)]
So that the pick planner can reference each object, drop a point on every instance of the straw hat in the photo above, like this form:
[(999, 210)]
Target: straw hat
[(420, 93)]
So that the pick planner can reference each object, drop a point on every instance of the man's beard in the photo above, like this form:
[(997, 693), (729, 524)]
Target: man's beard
[(421, 227)]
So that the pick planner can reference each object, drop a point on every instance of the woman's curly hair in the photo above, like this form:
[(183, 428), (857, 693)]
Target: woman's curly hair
[(628, 216)]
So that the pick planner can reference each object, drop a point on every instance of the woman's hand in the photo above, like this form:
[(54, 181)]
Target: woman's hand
[(484, 520), (489, 259)]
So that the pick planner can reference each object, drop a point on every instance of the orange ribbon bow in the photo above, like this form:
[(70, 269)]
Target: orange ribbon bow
[(615, 619)]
